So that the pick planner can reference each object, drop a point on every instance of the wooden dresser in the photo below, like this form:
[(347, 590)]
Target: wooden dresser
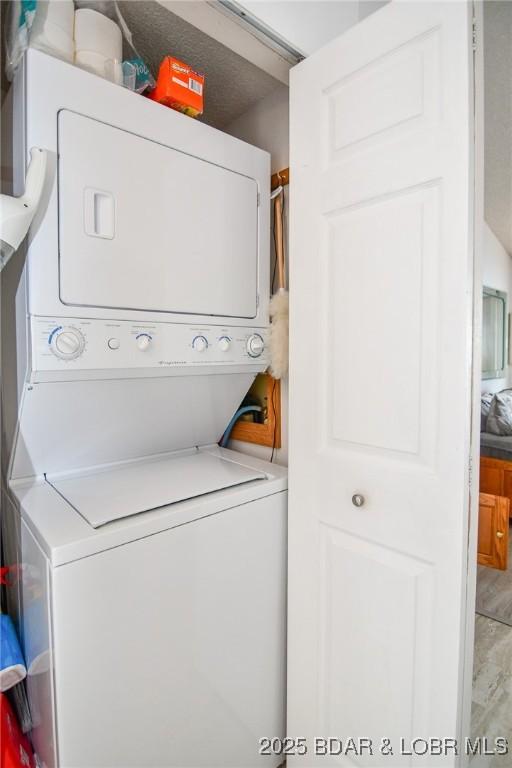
[(496, 477)]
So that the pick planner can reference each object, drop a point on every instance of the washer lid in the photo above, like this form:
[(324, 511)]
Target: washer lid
[(111, 494)]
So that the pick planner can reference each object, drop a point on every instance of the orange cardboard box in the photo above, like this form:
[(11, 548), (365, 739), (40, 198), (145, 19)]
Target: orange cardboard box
[(179, 87)]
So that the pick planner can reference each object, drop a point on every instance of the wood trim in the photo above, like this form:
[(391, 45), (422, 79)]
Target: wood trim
[(281, 178), (268, 434), (279, 241)]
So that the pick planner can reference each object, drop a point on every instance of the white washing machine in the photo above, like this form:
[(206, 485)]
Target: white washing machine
[(153, 604), (156, 639)]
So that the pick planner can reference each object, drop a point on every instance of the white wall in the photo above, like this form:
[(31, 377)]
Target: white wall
[(266, 125), (496, 273)]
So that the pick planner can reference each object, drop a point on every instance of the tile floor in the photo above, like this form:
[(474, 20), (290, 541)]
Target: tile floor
[(494, 591), (491, 714)]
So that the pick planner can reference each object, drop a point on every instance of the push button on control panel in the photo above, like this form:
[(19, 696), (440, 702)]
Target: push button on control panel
[(114, 343)]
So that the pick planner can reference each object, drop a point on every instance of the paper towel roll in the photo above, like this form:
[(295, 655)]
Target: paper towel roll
[(100, 65), (59, 12), (52, 28), (114, 71), (92, 61), (98, 34)]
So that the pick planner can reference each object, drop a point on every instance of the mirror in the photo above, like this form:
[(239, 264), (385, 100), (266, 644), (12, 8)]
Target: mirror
[(494, 336)]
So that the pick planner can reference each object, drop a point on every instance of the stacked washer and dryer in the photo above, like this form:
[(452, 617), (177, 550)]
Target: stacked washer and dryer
[(153, 600)]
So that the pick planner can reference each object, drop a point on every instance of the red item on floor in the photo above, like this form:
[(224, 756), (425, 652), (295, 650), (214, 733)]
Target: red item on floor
[(15, 749), (179, 87)]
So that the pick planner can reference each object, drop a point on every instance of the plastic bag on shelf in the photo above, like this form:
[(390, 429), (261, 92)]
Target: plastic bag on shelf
[(52, 29), (43, 24), (137, 76), (33, 23), (20, 16), (106, 7), (135, 73)]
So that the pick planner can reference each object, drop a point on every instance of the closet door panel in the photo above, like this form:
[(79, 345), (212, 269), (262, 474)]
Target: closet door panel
[(381, 302)]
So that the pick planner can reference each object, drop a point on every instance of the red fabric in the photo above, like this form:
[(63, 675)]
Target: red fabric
[(10, 574), (15, 749)]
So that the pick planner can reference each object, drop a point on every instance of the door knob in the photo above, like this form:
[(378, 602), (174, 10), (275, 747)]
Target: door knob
[(499, 534), (357, 500)]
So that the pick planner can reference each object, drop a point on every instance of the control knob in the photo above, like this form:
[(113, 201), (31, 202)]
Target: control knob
[(67, 343), (200, 343), (143, 341), (255, 345), (224, 343)]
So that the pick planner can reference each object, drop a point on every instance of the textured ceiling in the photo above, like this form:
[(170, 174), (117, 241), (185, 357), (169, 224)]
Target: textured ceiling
[(232, 84)]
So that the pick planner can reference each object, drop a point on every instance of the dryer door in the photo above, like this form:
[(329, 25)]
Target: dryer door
[(146, 227)]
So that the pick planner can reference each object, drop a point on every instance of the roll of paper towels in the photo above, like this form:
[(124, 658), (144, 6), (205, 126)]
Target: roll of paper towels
[(93, 62), (100, 65), (96, 33), (52, 28)]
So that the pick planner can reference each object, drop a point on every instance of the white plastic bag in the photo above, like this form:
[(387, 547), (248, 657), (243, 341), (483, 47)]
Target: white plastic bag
[(21, 14), (136, 74)]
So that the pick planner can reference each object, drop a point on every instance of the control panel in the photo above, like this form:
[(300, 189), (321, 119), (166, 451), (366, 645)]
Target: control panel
[(80, 344)]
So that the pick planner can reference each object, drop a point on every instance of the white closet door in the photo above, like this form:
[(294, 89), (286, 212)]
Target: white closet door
[(381, 304)]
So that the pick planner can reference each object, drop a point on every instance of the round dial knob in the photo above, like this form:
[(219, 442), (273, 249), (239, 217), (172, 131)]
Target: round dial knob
[(200, 343), (255, 345), (224, 343), (143, 341), (67, 343)]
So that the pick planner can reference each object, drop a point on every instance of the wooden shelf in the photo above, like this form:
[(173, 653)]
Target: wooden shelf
[(269, 433)]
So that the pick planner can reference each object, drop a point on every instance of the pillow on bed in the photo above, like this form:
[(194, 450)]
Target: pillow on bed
[(499, 419), (485, 407)]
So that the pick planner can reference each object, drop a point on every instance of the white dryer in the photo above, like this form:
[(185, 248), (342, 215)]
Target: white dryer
[(153, 606)]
